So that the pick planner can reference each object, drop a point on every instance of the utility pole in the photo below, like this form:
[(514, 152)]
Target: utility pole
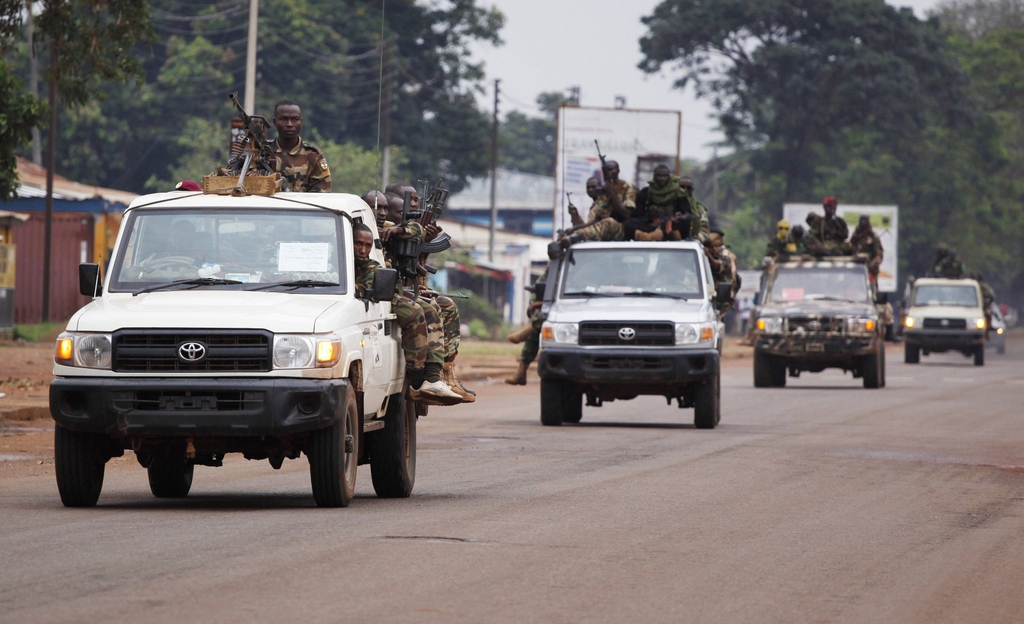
[(385, 121), (494, 173), (51, 156), (250, 57), (33, 78), (714, 181)]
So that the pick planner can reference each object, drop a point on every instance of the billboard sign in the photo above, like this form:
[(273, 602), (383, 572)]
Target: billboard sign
[(636, 139), (884, 221)]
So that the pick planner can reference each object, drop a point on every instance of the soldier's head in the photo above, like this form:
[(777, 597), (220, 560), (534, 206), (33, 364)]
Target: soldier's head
[(399, 189), (687, 185), (288, 119), (941, 250), (379, 203), (829, 204), (395, 204), (798, 232), (715, 244), (782, 229), (662, 175), (864, 223), (611, 170), (593, 187), (362, 241)]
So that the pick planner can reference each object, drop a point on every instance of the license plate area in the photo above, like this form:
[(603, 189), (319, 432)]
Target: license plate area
[(815, 347)]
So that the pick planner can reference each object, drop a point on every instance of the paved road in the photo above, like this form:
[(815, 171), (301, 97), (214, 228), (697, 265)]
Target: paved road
[(820, 502)]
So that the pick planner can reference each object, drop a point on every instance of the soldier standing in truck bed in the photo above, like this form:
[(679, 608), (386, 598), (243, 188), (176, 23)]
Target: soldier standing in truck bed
[(866, 243), (302, 165), (827, 235)]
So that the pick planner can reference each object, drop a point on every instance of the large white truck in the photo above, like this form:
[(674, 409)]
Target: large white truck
[(231, 325), (629, 319)]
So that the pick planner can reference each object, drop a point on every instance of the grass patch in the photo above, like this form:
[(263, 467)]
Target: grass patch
[(35, 332)]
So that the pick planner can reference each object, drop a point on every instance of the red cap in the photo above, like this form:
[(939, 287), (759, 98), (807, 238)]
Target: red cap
[(829, 201), (187, 185)]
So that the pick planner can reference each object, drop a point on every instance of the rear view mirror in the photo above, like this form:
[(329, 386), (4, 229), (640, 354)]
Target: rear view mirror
[(89, 279), (538, 289), (384, 283)]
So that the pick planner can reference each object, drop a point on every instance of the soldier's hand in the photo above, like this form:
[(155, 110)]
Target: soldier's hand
[(387, 233), (432, 232), (573, 211)]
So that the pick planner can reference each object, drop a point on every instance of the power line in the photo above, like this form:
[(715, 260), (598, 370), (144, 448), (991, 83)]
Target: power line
[(205, 17)]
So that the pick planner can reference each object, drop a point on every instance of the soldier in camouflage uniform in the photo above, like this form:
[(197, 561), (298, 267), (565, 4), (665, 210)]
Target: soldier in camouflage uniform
[(700, 226), (302, 165), (946, 264), (614, 204), (424, 356), (529, 337), (988, 297), (865, 242), (721, 264), (827, 234), (662, 210)]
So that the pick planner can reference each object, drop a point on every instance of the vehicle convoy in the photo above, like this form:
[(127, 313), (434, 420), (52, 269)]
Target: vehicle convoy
[(815, 314), (230, 325), (628, 319), (944, 315)]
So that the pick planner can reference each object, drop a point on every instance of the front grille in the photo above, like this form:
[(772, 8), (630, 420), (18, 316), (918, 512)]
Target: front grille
[(646, 334), (934, 323), (156, 351), (187, 401), (627, 363), (815, 325)]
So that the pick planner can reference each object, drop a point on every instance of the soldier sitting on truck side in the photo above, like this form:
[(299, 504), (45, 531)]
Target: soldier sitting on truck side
[(424, 376), (614, 204), (827, 235), (662, 210), (721, 265), (988, 297), (865, 243), (699, 224), (946, 263), (302, 164), (781, 243)]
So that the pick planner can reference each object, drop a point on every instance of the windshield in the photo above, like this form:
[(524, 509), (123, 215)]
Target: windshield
[(946, 295), (671, 273), (821, 285), (220, 247)]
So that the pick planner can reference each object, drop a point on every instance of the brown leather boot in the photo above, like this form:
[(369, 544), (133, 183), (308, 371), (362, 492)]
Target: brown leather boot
[(518, 337), (656, 235), (519, 378), (448, 375)]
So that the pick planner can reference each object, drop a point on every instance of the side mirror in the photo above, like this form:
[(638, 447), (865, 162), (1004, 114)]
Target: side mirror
[(723, 292), (89, 279), (757, 298), (384, 283), (538, 289)]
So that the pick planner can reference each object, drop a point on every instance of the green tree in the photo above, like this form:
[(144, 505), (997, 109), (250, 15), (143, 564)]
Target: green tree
[(527, 143), (19, 111)]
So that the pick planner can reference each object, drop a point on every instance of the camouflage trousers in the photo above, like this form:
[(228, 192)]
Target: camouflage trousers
[(435, 332), (414, 330), (531, 346), (450, 323), (607, 229)]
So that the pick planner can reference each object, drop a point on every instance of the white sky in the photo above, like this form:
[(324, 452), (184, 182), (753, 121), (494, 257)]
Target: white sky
[(551, 45)]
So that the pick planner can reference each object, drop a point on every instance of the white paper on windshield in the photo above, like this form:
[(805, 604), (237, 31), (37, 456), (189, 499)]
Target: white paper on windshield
[(303, 257)]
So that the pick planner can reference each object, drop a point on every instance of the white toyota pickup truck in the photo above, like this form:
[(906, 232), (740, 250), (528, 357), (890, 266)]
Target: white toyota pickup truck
[(230, 325), (628, 319)]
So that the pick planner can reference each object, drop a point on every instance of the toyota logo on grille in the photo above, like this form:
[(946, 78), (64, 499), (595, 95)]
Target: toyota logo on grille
[(192, 351), (627, 333), (944, 322)]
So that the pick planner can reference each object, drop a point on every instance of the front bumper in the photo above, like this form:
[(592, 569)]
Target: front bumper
[(240, 407), (649, 368), (818, 347), (943, 340)]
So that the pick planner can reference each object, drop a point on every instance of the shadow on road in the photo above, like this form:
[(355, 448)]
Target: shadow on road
[(219, 502), (632, 425)]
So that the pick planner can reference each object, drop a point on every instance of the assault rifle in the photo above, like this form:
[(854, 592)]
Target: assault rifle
[(434, 202), (604, 164), (255, 150)]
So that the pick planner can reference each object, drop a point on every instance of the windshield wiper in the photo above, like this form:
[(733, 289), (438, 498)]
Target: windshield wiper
[(648, 293), (295, 284), (588, 294), (827, 298), (193, 283)]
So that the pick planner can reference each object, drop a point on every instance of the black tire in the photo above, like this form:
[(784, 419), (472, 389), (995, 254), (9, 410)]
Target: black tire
[(706, 404), (572, 405), (552, 402), (393, 451), (762, 370), (79, 462), (979, 355), (872, 370), (890, 333), (778, 368), (883, 367), (332, 467), (911, 354), (170, 478)]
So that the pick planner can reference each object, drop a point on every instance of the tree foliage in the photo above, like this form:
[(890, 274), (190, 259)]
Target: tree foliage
[(19, 111)]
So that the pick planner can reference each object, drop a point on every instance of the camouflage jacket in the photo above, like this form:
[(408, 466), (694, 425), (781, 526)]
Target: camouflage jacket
[(824, 230), (304, 167), (867, 243), (602, 208), (699, 227), (365, 276)]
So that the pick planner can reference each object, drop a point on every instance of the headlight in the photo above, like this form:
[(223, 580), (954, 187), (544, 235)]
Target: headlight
[(92, 350), (770, 325), (562, 333), (979, 323), (999, 331), (293, 351), (694, 333), (909, 322), (860, 325)]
